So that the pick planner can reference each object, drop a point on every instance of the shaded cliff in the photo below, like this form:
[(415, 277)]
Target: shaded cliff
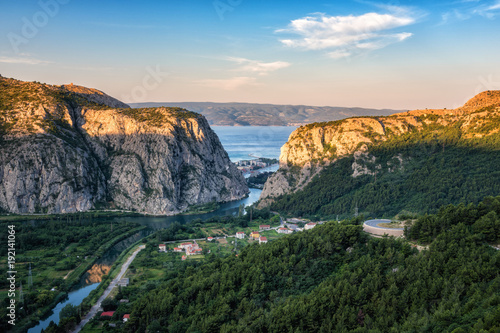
[(317, 147), (70, 148)]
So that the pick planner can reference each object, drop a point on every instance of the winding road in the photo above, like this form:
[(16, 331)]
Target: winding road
[(113, 283)]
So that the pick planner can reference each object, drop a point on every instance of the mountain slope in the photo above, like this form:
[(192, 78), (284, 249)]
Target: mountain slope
[(69, 148), (246, 114), (412, 161)]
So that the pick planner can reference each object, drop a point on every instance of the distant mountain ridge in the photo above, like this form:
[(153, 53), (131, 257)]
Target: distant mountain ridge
[(252, 114)]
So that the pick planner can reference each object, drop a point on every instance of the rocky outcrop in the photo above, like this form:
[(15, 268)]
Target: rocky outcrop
[(312, 147), (71, 149)]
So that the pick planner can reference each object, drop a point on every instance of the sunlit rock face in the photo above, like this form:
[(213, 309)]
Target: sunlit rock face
[(69, 148), (312, 147)]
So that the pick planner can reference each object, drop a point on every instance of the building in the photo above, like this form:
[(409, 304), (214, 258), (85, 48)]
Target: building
[(177, 249), (240, 235), (264, 227), (123, 282), (184, 245), (126, 317), (262, 240), (108, 314), (284, 231), (162, 247), (210, 239), (310, 225), (192, 251), (254, 235), (183, 257), (291, 226)]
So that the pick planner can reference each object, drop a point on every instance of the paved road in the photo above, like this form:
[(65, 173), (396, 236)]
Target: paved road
[(113, 283), (375, 224)]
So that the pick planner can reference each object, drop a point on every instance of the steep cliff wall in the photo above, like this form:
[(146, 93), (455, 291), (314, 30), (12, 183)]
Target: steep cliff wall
[(312, 147), (70, 148)]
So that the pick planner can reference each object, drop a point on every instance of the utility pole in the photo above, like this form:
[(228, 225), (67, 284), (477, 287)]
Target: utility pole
[(30, 278), (356, 213)]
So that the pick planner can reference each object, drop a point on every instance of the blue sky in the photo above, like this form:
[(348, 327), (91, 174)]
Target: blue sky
[(398, 54)]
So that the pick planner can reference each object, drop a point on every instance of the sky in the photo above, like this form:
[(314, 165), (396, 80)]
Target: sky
[(398, 55)]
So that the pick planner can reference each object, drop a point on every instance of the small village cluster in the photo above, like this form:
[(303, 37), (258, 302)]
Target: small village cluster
[(192, 248)]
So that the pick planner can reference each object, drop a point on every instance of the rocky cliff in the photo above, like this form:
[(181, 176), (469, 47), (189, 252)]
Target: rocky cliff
[(69, 148), (313, 147)]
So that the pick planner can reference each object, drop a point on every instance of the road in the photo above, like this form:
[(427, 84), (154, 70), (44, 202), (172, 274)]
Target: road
[(113, 283)]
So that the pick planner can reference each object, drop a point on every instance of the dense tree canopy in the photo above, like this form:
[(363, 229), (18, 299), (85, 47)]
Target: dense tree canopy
[(334, 279)]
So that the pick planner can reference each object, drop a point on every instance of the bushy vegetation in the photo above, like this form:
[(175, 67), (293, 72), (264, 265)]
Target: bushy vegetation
[(158, 116), (335, 279)]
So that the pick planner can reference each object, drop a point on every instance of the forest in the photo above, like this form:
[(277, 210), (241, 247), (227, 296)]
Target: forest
[(334, 278)]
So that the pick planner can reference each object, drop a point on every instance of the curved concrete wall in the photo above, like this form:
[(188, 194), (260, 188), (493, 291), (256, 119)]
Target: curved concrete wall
[(382, 231)]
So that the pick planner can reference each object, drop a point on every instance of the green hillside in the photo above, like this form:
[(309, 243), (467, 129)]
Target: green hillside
[(335, 279)]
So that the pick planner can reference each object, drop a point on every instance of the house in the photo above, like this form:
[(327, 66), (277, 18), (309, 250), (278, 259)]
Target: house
[(123, 282), (264, 227), (240, 235), (210, 239), (177, 249), (108, 314), (254, 235), (183, 257), (262, 240), (284, 231), (310, 225), (184, 245), (192, 251), (162, 247), (126, 317)]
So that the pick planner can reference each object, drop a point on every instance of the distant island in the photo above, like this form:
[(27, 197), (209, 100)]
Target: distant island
[(250, 114)]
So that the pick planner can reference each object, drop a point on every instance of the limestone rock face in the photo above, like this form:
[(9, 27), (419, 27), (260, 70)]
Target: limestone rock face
[(312, 147), (68, 150)]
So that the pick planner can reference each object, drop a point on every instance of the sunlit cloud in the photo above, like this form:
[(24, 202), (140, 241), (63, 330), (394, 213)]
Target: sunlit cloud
[(23, 60), (347, 35), (230, 83), (259, 67)]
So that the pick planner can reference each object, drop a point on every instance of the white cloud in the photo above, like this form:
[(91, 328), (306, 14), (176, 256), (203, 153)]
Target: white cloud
[(259, 67), (229, 84), (346, 35), (23, 60)]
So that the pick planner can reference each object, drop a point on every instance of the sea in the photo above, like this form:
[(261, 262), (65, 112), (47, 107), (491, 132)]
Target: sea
[(249, 142)]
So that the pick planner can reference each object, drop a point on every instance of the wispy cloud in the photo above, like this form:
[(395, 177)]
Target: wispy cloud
[(229, 84), (259, 67), (123, 25), (23, 60), (467, 9), (346, 35)]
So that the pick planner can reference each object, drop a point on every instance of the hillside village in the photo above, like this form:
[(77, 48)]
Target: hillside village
[(265, 232)]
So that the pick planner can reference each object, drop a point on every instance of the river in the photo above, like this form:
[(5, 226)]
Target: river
[(240, 143), (91, 279)]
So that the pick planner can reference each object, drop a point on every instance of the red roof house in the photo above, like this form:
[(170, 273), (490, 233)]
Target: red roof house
[(107, 314)]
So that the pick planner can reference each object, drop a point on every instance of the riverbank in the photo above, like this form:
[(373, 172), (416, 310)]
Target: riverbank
[(52, 250), (108, 290)]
